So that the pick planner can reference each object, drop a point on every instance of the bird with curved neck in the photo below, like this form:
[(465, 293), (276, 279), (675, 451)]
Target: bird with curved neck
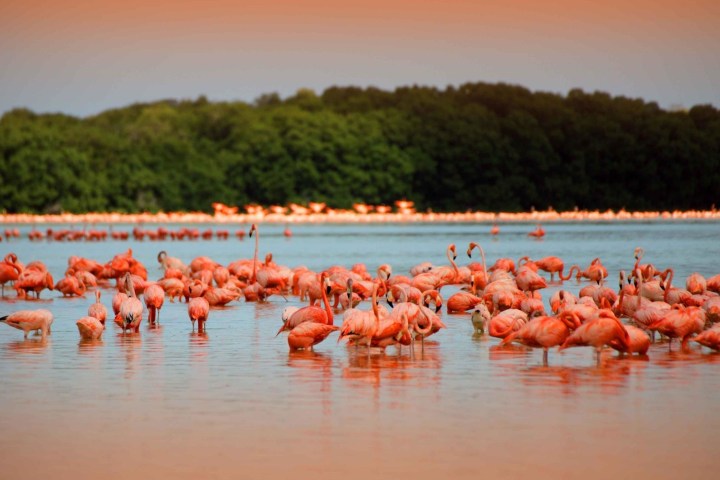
[(312, 313)]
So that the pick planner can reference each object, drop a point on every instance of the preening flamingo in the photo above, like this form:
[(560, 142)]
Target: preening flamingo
[(90, 328), (131, 310), (544, 332), (709, 338), (27, 320), (311, 313), (597, 332)]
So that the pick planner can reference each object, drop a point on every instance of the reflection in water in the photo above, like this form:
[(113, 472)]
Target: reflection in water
[(315, 369), (130, 345), (198, 345), (29, 345)]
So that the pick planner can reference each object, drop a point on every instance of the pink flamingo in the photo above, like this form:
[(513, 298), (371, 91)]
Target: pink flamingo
[(131, 310), (154, 296), (198, 309), (506, 322), (538, 232), (10, 270), (97, 309), (90, 328), (639, 341), (70, 285), (312, 313), (709, 338), (680, 322), (27, 320), (544, 332), (597, 332), (33, 280)]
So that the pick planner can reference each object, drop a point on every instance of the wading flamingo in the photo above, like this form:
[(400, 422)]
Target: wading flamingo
[(154, 297), (9, 270), (131, 309), (544, 332), (90, 328), (27, 320), (312, 313), (598, 332), (97, 309), (198, 309)]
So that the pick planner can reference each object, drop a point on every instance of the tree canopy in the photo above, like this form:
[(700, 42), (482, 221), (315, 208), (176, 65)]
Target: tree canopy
[(479, 146)]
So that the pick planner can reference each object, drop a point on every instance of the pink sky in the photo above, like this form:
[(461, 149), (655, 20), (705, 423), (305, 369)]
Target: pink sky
[(83, 56)]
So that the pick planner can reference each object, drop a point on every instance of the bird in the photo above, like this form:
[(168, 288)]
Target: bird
[(90, 328), (27, 320), (709, 338), (506, 322), (10, 270), (154, 297), (97, 309), (312, 313), (131, 310), (544, 332), (680, 322), (479, 318), (198, 310), (538, 232), (597, 332), (308, 334)]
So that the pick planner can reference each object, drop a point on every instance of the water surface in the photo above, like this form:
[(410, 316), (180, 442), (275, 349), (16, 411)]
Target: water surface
[(234, 403)]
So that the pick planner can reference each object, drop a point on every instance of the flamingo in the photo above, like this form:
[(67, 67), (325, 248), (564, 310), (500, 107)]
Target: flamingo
[(538, 232), (696, 283), (462, 302), (480, 279), (597, 332), (479, 318), (552, 265), (90, 328), (709, 338), (27, 320), (639, 341), (33, 280), (680, 322), (131, 310), (359, 326), (544, 332), (70, 285), (154, 296), (10, 270), (167, 262), (198, 309), (506, 322), (97, 309), (308, 334), (311, 313)]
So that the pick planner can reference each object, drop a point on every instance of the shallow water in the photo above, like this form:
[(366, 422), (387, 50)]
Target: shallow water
[(234, 403)]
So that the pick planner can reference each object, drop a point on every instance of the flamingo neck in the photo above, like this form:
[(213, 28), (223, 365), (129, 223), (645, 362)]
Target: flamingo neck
[(328, 310)]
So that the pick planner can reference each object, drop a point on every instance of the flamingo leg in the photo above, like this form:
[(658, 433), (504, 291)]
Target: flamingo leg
[(545, 357)]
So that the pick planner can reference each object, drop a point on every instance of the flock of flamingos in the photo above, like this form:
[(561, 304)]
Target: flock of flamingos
[(503, 299)]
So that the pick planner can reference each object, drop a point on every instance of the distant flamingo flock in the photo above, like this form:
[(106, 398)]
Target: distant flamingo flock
[(503, 300)]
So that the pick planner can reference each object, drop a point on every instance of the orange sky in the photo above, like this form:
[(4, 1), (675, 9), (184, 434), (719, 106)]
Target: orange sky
[(82, 56)]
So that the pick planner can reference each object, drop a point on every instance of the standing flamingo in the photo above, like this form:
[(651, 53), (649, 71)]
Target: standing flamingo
[(131, 310), (312, 313), (597, 332), (198, 309), (544, 332), (90, 328), (97, 309), (27, 320), (680, 322), (10, 270), (709, 338), (154, 296), (538, 232)]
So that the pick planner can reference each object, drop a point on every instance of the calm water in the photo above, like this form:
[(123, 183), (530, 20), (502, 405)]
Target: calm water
[(234, 403)]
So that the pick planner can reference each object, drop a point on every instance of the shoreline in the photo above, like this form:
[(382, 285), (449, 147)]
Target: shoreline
[(347, 216)]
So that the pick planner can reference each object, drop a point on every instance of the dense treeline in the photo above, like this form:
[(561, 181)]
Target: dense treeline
[(474, 147)]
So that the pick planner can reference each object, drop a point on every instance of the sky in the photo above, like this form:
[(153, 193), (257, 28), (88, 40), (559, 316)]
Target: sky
[(81, 57)]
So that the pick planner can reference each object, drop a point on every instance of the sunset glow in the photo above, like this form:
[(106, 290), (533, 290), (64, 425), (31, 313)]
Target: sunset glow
[(80, 56)]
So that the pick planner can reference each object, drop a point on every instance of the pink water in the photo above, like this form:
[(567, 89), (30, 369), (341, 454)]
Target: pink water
[(234, 403)]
